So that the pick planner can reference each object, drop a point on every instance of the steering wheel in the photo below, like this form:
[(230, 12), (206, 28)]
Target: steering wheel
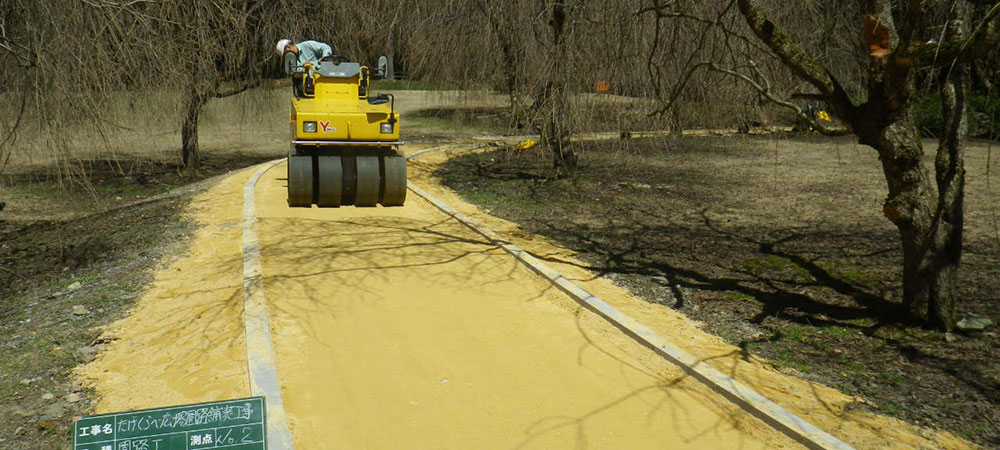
[(336, 59)]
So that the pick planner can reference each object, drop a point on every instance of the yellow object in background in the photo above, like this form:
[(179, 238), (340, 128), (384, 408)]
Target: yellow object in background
[(525, 144), (824, 116)]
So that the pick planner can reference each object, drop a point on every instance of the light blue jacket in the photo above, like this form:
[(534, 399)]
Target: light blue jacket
[(312, 51)]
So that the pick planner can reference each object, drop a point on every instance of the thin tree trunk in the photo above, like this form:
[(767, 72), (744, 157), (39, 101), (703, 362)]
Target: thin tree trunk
[(555, 133), (390, 68), (501, 18), (950, 176), (201, 75), (511, 67), (190, 153)]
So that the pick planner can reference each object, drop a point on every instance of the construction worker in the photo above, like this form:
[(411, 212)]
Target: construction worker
[(309, 52)]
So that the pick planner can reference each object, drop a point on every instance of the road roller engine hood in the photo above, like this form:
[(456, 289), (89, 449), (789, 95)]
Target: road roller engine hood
[(332, 103)]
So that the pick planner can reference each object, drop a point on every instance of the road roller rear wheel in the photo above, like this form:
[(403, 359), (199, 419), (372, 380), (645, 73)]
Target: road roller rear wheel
[(393, 181), (368, 181), (330, 179), (300, 181)]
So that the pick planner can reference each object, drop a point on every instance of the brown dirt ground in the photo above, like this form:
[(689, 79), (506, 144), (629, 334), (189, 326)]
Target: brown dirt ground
[(110, 255), (63, 246), (776, 244)]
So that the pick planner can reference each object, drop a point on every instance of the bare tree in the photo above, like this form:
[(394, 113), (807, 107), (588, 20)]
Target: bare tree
[(552, 102), (901, 39), (503, 22), (928, 212), (207, 49), (223, 49), (57, 66)]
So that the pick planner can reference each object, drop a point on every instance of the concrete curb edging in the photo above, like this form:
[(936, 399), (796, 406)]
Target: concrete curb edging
[(734, 391), (260, 355)]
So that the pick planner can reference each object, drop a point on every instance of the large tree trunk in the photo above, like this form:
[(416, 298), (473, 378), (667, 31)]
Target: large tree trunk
[(928, 213), (929, 219)]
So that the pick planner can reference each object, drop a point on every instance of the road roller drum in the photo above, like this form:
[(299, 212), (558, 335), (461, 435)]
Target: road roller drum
[(332, 180)]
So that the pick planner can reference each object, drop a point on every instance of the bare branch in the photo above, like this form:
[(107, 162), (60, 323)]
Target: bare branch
[(18, 50), (661, 11), (12, 134), (242, 87), (802, 96), (797, 60), (766, 92), (984, 39)]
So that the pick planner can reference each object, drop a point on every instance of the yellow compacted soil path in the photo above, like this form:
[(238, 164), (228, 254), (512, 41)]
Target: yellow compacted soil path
[(401, 328)]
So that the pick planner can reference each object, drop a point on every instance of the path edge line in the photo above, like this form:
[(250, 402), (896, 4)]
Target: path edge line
[(260, 353), (743, 396)]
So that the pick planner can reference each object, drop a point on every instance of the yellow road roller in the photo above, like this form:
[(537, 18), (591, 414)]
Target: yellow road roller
[(345, 147)]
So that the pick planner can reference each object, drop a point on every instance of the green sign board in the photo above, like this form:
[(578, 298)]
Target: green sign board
[(231, 424)]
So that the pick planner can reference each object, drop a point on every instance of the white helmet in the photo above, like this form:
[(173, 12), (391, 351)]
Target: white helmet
[(282, 43)]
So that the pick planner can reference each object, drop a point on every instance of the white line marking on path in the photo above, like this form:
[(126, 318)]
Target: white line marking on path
[(260, 355)]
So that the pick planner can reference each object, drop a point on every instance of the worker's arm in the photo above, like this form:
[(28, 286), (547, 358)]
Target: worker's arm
[(324, 50)]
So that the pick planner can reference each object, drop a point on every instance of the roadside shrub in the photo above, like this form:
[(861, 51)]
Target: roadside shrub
[(984, 115)]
